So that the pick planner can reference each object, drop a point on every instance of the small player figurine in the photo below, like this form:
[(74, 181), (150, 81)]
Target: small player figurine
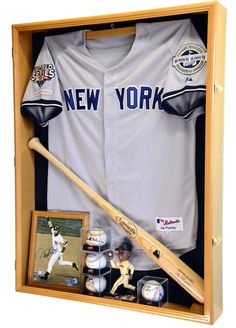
[(126, 268)]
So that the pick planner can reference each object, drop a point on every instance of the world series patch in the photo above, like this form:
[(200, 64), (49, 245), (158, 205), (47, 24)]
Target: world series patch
[(189, 59), (43, 73)]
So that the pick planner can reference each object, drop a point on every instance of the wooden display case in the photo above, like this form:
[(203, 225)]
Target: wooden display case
[(211, 18)]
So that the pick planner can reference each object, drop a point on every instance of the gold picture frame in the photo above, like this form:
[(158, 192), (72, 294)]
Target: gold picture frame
[(54, 259)]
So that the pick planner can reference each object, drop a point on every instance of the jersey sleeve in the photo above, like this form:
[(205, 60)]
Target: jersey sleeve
[(185, 82), (42, 98)]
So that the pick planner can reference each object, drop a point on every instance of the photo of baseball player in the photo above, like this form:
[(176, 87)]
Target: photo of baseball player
[(125, 267), (59, 246), (55, 249)]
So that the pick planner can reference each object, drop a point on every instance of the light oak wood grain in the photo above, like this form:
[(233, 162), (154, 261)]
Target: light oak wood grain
[(24, 170)]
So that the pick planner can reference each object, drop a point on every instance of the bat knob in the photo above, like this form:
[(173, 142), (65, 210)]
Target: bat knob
[(33, 142)]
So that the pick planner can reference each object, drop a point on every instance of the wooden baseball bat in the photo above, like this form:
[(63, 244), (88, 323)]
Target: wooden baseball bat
[(155, 250)]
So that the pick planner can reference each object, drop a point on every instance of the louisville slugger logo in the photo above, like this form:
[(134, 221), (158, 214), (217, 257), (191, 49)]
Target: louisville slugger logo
[(128, 226)]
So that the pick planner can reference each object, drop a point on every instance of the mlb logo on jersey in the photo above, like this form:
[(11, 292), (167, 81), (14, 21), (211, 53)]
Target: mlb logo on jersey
[(168, 224)]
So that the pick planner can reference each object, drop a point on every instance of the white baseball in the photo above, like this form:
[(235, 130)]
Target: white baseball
[(96, 261), (96, 284), (152, 291), (96, 238)]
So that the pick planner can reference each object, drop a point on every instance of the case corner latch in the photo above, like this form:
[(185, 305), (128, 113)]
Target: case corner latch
[(218, 88), (216, 240)]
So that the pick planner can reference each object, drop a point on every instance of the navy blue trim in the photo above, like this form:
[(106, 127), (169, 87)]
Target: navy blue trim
[(183, 90), (41, 111), (41, 102), (170, 106)]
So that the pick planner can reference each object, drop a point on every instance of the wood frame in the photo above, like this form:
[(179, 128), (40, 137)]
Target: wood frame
[(56, 218), (24, 160)]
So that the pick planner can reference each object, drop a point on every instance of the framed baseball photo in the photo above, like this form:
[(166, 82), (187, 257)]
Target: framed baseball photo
[(54, 259)]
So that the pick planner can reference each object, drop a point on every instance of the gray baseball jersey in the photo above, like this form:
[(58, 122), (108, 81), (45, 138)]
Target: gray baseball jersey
[(128, 107)]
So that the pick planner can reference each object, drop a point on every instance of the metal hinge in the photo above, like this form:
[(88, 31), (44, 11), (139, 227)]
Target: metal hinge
[(216, 240), (218, 88)]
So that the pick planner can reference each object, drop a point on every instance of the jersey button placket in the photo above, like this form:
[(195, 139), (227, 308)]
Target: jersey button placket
[(108, 135)]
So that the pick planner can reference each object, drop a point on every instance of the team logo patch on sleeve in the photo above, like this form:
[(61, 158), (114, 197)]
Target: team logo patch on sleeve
[(189, 59), (43, 73)]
